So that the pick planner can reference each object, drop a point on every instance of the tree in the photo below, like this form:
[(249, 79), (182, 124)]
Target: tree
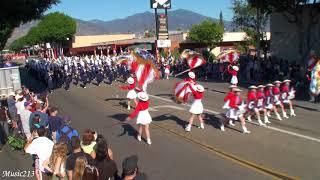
[(221, 20), (251, 18), (56, 28), (208, 32), (305, 21), (15, 12), (18, 44)]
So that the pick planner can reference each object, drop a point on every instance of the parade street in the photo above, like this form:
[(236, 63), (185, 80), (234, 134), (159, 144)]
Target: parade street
[(285, 149)]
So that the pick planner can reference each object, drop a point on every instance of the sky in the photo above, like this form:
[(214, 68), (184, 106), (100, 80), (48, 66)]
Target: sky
[(114, 9)]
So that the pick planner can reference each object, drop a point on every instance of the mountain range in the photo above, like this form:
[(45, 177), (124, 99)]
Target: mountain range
[(180, 19)]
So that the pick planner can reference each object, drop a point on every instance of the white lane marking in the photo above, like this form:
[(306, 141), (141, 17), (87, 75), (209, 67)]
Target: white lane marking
[(269, 127), (168, 106), (151, 109)]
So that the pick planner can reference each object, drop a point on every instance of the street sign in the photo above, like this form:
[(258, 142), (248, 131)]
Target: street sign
[(160, 4), (164, 43), (162, 27)]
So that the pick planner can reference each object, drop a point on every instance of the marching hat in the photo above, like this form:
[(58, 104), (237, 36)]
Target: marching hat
[(130, 80), (199, 88), (287, 80), (269, 85), (252, 87), (233, 86), (236, 68), (277, 82), (261, 86), (237, 90), (191, 75), (143, 96)]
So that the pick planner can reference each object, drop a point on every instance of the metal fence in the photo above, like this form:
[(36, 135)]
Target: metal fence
[(9, 80)]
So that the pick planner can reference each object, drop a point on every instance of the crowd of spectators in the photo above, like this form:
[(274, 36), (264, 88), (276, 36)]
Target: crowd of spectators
[(58, 150)]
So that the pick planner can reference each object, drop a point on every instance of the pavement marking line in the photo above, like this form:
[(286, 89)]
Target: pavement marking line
[(269, 127), (242, 162)]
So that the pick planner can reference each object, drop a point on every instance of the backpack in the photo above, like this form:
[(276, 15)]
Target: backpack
[(64, 138)]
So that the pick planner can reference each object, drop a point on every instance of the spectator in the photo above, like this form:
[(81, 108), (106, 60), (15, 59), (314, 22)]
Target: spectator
[(42, 148), (20, 100), (88, 142), (41, 111), (77, 152), (106, 166), (66, 130), (25, 116), (11, 106), (57, 161), (84, 171), (101, 139), (130, 170), (7, 64), (4, 129), (55, 122)]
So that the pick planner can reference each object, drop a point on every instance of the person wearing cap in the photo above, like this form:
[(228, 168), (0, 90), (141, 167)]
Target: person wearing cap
[(260, 104), (144, 119), (269, 105), (130, 169), (11, 101), (251, 105), (237, 109), (132, 95), (226, 106), (196, 107), (191, 77), (25, 116), (99, 76), (276, 98), (233, 70), (287, 95)]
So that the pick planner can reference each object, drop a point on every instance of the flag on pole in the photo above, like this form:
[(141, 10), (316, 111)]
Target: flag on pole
[(195, 60), (229, 56), (181, 91), (144, 68)]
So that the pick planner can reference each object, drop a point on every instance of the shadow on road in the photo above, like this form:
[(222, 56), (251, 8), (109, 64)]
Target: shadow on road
[(215, 121), (127, 128), (166, 117)]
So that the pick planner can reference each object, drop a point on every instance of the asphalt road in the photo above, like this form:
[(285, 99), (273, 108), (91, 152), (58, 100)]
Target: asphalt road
[(285, 150)]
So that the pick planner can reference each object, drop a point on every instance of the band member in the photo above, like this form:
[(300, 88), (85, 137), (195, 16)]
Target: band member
[(287, 95), (132, 95), (237, 109), (252, 102), (276, 98), (260, 105), (192, 77), (233, 70), (67, 80), (99, 76), (196, 107), (269, 102), (226, 106), (167, 71), (144, 119)]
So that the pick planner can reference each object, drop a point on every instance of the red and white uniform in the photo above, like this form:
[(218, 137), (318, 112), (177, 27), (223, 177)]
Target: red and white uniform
[(167, 70), (234, 74), (142, 112), (234, 111), (260, 103), (268, 99), (251, 100), (196, 107), (227, 100), (276, 95), (131, 93)]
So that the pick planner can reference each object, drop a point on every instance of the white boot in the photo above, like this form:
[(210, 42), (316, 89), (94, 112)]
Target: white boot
[(149, 141), (249, 118), (231, 123), (245, 131), (278, 116), (266, 120), (188, 128), (129, 108), (292, 113), (284, 114), (201, 126), (261, 123), (139, 138), (222, 128), (269, 114)]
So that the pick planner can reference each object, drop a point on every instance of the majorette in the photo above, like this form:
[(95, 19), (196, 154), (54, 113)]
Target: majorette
[(251, 105), (132, 95), (234, 73), (196, 107), (276, 98), (287, 95), (144, 119)]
